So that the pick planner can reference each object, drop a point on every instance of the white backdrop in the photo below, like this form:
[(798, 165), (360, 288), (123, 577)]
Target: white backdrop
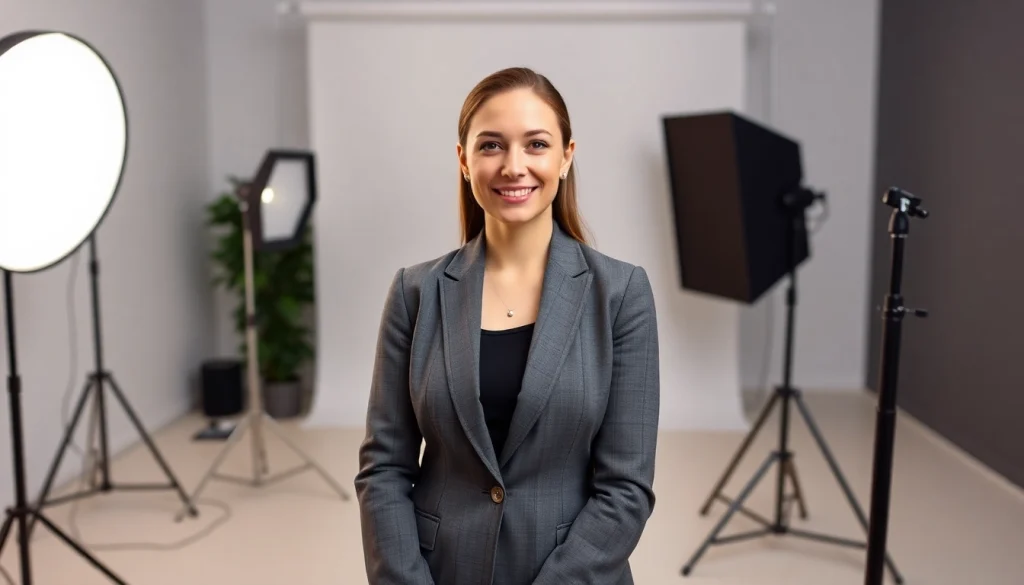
[(385, 93)]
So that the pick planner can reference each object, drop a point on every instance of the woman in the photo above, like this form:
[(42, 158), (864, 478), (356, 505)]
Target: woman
[(527, 362)]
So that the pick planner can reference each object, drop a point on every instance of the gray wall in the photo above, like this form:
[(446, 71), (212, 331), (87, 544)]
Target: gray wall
[(951, 130)]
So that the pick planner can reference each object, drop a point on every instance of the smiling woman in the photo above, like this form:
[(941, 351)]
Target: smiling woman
[(527, 362), (515, 136)]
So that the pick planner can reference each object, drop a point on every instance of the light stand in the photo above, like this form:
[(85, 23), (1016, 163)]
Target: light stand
[(256, 420), (22, 513), (739, 202), (795, 204), (63, 142), (906, 206), (95, 382)]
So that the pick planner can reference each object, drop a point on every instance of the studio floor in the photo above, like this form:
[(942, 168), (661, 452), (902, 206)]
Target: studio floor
[(952, 521)]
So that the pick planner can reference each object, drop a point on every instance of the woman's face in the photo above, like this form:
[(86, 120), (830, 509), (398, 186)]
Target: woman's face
[(514, 157)]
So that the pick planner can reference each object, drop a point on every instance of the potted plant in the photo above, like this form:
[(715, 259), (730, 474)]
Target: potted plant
[(284, 294)]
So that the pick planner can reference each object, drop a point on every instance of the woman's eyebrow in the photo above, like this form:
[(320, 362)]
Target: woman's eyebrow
[(494, 134)]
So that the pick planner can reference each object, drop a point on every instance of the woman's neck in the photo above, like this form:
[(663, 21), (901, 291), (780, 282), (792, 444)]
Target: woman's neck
[(518, 248)]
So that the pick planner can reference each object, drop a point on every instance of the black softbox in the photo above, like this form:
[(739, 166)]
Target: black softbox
[(729, 179)]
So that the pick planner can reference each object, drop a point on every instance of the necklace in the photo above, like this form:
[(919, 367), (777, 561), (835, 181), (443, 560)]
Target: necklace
[(511, 313)]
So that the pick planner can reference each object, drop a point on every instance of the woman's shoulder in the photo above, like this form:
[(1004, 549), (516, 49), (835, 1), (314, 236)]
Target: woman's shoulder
[(611, 269), (414, 275), (624, 285)]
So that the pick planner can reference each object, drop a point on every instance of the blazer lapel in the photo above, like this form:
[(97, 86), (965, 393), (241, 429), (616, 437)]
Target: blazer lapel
[(566, 282), (461, 290)]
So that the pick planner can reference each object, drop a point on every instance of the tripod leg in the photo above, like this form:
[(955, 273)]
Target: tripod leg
[(733, 507), (761, 418), (5, 530), (274, 428), (260, 464), (91, 457), (258, 446), (264, 460), (78, 548), (805, 412), (233, 439), (69, 433), (797, 492), (152, 447)]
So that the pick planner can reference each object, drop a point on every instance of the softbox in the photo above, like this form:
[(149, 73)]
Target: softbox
[(729, 179)]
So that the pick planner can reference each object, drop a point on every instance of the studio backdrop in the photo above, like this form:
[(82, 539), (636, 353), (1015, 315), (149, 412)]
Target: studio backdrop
[(386, 87)]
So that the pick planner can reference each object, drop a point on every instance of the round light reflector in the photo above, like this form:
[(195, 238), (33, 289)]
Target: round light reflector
[(63, 140)]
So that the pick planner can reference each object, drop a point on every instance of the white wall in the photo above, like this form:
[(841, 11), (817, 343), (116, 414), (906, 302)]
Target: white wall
[(256, 90), (154, 292), (824, 95), (358, 116), (825, 83)]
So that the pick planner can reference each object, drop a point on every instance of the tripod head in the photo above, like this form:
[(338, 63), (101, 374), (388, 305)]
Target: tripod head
[(905, 206), (801, 198), (904, 202)]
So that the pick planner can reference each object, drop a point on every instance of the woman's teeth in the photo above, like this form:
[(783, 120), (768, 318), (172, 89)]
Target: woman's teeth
[(515, 193)]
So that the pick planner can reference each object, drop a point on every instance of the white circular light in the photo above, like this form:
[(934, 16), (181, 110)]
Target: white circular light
[(63, 139)]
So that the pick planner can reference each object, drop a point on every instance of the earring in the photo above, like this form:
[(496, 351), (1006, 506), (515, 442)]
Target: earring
[(466, 176), (564, 175)]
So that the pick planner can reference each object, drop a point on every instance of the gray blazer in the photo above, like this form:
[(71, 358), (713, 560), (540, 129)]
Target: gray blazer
[(566, 500)]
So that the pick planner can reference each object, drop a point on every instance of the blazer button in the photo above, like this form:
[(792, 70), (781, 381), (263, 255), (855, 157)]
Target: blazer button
[(497, 494)]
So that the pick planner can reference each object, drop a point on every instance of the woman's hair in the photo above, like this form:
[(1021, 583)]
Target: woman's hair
[(564, 208)]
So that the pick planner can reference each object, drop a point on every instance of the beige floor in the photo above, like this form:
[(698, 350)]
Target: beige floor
[(952, 521)]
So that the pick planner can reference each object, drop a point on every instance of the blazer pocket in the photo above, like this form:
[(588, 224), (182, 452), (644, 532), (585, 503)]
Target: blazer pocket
[(562, 531), (426, 526)]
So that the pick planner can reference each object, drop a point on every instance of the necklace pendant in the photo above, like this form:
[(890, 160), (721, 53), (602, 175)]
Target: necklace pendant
[(510, 313)]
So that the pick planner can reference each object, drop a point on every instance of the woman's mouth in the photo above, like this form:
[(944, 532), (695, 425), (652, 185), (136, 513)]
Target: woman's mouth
[(517, 195)]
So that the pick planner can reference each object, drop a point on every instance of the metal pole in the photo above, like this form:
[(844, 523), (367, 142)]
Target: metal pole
[(251, 341), (885, 428)]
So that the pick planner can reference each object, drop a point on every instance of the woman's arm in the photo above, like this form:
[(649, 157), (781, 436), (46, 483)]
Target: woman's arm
[(389, 456), (608, 528)]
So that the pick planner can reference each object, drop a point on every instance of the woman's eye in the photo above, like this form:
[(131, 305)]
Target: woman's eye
[(539, 144), (488, 145)]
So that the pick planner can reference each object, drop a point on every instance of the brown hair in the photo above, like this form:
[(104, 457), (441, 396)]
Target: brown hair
[(564, 207)]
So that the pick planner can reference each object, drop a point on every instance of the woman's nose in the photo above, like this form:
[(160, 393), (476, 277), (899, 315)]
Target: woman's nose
[(513, 165)]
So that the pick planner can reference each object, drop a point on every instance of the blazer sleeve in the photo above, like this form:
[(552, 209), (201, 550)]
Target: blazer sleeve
[(389, 456), (608, 528)]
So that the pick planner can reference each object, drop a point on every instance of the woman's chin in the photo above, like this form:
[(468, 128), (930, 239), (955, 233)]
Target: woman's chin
[(516, 217)]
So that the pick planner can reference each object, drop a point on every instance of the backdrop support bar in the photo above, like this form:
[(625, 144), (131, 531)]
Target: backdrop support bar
[(617, 11)]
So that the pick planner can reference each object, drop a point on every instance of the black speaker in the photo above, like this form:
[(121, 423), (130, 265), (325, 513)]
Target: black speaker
[(728, 176), (223, 392)]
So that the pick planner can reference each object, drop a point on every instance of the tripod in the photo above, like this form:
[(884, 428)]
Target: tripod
[(783, 396), (97, 382), (906, 205), (22, 513), (256, 419)]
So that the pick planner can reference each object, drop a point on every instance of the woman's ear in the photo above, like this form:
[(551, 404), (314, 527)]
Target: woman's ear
[(570, 151), (463, 166)]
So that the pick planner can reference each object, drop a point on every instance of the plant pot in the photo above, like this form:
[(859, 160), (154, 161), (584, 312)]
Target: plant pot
[(282, 399)]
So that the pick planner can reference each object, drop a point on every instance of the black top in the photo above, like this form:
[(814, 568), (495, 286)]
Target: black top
[(502, 363)]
